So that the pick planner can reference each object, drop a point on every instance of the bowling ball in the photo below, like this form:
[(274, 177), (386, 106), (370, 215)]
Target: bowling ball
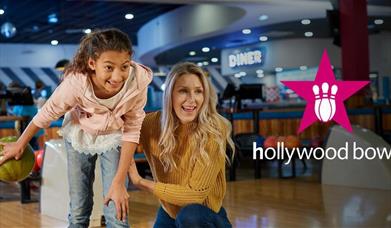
[(16, 170), (38, 160), (292, 141), (316, 141), (271, 141), (281, 139)]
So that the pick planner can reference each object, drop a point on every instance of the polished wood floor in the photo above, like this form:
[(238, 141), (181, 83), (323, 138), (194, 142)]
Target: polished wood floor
[(251, 203)]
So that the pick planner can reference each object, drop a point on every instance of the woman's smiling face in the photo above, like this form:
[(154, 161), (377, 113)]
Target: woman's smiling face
[(187, 97)]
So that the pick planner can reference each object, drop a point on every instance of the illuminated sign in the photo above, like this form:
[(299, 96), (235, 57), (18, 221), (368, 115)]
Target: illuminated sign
[(245, 58)]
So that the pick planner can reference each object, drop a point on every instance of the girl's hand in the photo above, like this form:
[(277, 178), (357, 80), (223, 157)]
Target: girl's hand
[(134, 175), (119, 195), (11, 150)]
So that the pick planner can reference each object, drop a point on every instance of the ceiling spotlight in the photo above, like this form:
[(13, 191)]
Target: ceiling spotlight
[(263, 38), (237, 75), (129, 16), (303, 67), (192, 53), (52, 18), (259, 71), (246, 31), (1, 11), (205, 63), (260, 75), (308, 34), (214, 60), (242, 73), (86, 31), (263, 17), (205, 49), (163, 86), (306, 21), (278, 69), (379, 21), (54, 42), (200, 64)]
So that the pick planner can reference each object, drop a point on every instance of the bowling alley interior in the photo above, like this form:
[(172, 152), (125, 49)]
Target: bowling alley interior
[(306, 154)]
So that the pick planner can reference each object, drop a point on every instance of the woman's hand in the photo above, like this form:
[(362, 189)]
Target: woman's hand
[(134, 175), (11, 150), (119, 195)]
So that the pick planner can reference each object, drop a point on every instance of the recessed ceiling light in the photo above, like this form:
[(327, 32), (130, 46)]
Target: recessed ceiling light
[(306, 21), (260, 75), (263, 38), (52, 18), (200, 64), (205, 49), (303, 67), (263, 17), (242, 73), (259, 71), (1, 12), (86, 31), (379, 21), (246, 31), (278, 69), (54, 42), (192, 53), (237, 75), (308, 34), (129, 16), (163, 86), (214, 60), (206, 63)]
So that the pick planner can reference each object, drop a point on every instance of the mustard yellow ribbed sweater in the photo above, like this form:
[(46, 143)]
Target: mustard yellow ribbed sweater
[(199, 183)]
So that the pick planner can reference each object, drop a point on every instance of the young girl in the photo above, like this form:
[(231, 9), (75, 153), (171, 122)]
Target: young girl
[(103, 95), (185, 145)]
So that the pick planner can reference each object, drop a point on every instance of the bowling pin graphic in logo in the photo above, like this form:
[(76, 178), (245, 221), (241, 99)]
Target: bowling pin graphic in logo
[(325, 96), (325, 107)]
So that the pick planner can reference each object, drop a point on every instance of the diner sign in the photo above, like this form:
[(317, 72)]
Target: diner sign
[(246, 59)]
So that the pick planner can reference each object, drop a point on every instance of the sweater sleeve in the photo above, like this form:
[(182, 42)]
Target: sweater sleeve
[(62, 100), (197, 189), (134, 119)]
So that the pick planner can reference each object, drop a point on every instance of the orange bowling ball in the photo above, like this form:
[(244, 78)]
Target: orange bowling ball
[(292, 141), (271, 141)]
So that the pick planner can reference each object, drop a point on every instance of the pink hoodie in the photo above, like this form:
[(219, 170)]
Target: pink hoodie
[(76, 94)]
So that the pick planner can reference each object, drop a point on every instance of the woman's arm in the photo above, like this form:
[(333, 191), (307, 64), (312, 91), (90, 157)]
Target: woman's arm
[(202, 178)]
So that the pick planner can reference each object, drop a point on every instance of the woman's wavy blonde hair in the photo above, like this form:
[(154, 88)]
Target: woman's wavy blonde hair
[(210, 125)]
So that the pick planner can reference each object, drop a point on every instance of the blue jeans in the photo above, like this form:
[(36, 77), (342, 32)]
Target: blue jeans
[(192, 216), (81, 176)]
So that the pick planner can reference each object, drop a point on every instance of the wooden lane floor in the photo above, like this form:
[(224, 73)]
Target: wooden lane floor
[(252, 203)]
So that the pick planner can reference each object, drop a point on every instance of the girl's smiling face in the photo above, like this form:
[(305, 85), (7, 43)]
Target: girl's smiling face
[(111, 71)]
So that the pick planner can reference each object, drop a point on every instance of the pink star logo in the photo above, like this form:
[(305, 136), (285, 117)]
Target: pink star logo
[(325, 96)]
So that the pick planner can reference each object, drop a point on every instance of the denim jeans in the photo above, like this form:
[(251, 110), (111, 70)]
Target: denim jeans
[(193, 216), (81, 176)]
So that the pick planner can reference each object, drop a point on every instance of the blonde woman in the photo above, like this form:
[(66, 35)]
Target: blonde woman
[(185, 145)]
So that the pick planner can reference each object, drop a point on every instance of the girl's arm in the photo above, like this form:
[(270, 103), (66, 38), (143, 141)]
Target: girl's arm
[(130, 137), (62, 100), (118, 192), (16, 149)]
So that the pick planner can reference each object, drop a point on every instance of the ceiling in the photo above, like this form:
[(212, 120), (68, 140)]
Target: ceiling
[(288, 30), (30, 18)]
